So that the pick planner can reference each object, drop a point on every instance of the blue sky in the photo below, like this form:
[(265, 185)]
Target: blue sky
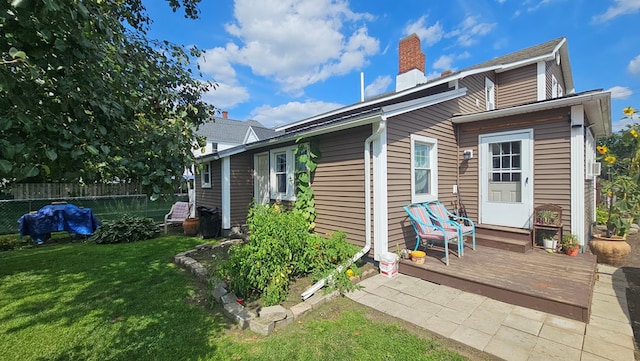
[(278, 61)]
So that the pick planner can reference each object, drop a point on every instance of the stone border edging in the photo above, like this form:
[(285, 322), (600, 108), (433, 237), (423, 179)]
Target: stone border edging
[(268, 318)]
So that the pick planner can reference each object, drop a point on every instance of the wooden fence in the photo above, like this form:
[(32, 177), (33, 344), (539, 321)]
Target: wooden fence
[(65, 190)]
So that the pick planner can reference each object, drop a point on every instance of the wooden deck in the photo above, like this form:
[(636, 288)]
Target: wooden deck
[(552, 283)]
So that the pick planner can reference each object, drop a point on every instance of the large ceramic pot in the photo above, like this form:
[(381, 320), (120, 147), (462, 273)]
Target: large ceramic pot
[(610, 250), (190, 226)]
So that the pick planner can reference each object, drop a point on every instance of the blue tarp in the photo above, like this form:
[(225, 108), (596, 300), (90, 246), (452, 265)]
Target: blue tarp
[(57, 217)]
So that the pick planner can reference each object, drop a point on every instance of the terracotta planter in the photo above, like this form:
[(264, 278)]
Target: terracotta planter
[(190, 226), (610, 250), (572, 251)]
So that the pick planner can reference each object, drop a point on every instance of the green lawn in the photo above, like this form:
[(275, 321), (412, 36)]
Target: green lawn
[(82, 301)]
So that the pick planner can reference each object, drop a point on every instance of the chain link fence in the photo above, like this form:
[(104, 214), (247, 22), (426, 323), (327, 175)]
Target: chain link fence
[(104, 207)]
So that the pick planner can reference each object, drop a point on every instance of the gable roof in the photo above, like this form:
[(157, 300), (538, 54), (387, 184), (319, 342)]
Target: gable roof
[(223, 130), (542, 52)]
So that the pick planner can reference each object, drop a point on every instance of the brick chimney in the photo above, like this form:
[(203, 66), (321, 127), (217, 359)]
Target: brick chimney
[(410, 56), (411, 63), (225, 114)]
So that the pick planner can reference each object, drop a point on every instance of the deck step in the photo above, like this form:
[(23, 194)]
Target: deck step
[(506, 238)]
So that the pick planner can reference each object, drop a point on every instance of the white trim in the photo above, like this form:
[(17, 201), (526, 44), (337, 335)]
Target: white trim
[(541, 80), (554, 86), (433, 158), (290, 194), (489, 94), (533, 107), (380, 206), (206, 171), (226, 193), (577, 173)]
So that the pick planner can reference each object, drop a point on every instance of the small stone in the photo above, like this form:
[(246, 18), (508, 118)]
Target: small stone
[(300, 309), (218, 292), (276, 312), (229, 298), (285, 321)]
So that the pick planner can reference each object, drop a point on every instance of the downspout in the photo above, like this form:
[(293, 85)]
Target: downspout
[(367, 212)]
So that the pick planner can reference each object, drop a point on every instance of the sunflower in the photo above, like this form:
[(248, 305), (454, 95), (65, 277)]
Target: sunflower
[(628, 111), (633, 133), (601, 149), (610, 159)]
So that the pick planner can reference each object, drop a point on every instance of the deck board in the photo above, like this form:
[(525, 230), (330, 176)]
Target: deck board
[(553, 283)]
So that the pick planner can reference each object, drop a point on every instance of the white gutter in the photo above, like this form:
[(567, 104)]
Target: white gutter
[(367, 212)]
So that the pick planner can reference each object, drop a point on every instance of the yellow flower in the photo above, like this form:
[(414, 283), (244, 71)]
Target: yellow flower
[(634, 133), (350, 272), (628, 111), (610, 159), (601, 149)]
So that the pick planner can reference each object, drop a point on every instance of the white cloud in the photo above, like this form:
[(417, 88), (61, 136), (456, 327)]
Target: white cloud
[(379, 86), (226, 96), (621, 7), (469, 30), (538, 5), (299, 42), (215, 63), (620, 92), (634, 66), (290, 112), (429, 35), (443, 62)]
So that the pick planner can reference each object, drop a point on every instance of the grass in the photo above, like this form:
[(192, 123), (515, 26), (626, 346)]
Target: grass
[(82, 301)]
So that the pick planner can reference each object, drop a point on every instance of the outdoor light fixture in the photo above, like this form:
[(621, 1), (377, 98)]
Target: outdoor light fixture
[(468, 154)]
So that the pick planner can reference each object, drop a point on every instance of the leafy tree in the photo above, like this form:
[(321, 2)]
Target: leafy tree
[(85, 95)]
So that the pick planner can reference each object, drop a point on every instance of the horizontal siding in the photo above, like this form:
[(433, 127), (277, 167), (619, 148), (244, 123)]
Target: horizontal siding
[(210, 197), (516, 87), (338, 183), (475, 100), (554, 69), (431, 122), (241, 166), (552, 162)]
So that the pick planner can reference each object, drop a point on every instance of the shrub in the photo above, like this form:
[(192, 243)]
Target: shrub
[(11, 241), (125, 229), (265, 265), (280, 249)]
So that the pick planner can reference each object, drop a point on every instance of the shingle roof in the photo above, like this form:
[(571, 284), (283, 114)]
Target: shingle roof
[(232, 131)]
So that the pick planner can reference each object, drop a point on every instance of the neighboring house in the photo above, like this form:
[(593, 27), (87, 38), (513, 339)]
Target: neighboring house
[(511, 133), (221, 134)]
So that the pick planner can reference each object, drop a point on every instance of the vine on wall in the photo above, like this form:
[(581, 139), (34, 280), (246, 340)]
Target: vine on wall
[(306, 156)]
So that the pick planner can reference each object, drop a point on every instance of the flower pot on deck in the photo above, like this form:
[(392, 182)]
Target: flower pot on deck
[(610, 250)]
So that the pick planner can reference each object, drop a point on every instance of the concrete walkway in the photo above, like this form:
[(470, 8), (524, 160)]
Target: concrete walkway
[(507, 331)]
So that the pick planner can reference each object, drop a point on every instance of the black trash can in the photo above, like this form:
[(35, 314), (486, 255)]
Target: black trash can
[(210, 222)]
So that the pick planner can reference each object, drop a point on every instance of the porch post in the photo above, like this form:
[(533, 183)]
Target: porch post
[(226, 194), (577, 173)]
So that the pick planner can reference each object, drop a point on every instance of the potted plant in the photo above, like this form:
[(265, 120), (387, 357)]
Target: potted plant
[(620, 157), (548, 217), (570, 244)]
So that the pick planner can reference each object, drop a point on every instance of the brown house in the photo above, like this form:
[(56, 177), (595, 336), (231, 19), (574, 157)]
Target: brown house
[(509, 134)]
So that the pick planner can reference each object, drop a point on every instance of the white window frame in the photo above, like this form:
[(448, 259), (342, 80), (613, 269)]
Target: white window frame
[(290, 193), (205, 176), (554, 87), (490, 94), (560, 91), (433, 165)]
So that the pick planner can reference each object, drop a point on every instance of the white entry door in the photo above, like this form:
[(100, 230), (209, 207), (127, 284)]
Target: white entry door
[(261, 178), (506, 178)]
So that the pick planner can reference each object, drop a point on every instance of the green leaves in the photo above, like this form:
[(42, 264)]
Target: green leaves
[(93, 97)]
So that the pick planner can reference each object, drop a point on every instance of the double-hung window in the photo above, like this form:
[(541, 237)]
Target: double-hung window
[(424, 169), (282, 173), (205, 176)]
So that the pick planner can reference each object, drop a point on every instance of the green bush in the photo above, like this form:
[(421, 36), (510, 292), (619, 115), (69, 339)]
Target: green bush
[(125, 229), (11, 241), (280, 249)]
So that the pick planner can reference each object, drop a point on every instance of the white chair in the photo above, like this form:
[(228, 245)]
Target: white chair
[(178, 213)]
